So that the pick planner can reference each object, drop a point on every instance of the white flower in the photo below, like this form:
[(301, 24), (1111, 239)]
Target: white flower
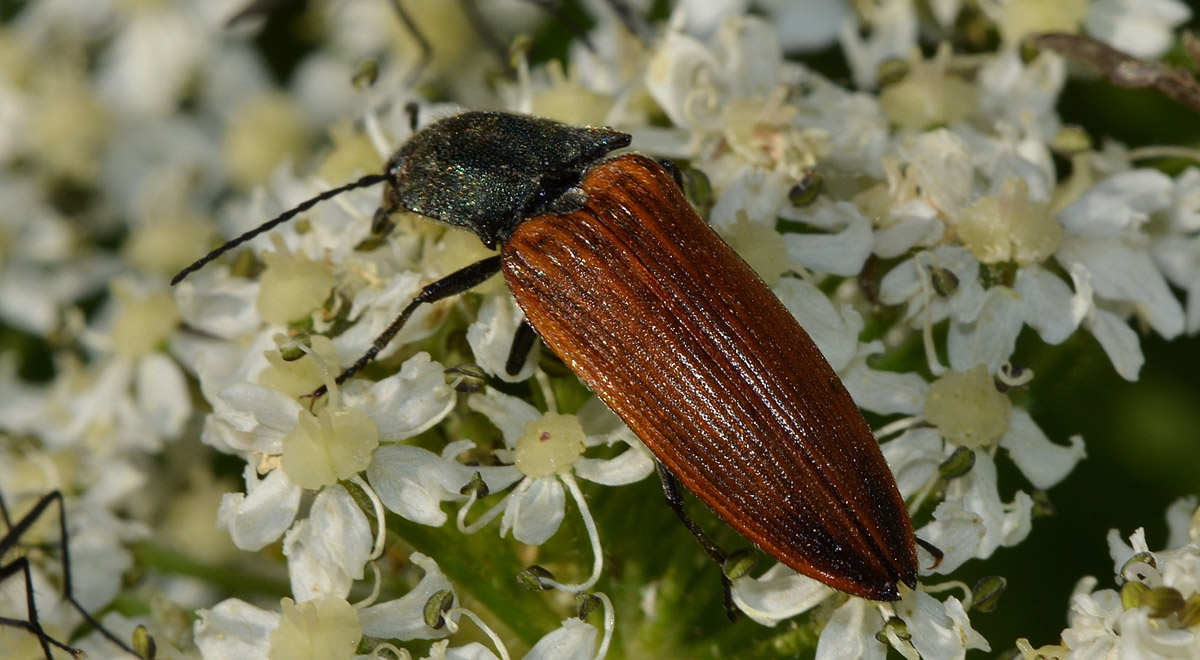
[(545, 446), (1106, 244), (404, 618), (891, 33), (939, 630), (1121, 624), (1142, 28), (779, 593), (806, 26), (261, 515), (234, 630), (1177, 251), (44, 264), (327, 550), (130, 396), (413, 482)]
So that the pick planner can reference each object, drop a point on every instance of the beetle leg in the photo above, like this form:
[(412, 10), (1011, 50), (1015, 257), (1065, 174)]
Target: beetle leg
[(674, 494), (522, 344), (460, 281), (21, 565)]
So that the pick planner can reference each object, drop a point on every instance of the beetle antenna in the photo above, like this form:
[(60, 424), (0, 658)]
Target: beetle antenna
[(932, 549), (368, 180)]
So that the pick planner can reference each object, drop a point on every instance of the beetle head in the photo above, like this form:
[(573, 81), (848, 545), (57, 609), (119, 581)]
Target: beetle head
[(488, 171)]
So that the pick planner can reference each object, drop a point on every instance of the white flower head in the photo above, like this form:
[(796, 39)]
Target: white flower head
[(1143, 618)]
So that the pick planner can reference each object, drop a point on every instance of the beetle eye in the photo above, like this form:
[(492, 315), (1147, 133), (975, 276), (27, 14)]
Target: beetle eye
[(673, 170)]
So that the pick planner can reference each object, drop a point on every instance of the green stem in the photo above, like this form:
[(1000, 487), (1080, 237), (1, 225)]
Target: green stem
[(227, 577)]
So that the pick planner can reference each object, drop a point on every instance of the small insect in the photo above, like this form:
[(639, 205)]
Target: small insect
[(654, 312), (20, 565)]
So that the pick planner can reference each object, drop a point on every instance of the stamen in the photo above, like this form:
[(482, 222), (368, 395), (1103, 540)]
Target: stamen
[(371, 597), (491, 513), (609, 625), (452, 626), (377, 549), (935, 366), (593, 535)]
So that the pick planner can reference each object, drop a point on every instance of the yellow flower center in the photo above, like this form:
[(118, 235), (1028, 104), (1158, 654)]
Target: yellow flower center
[(967, 408), (550, 445)]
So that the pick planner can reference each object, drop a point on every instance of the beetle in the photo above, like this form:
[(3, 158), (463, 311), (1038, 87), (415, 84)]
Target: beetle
[(20, 565), (619, 277)]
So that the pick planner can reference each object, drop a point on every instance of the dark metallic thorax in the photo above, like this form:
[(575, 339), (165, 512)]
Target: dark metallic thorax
[(486, 171)]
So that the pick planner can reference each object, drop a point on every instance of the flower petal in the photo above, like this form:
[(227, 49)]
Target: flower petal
[(1042, 462), (574, 640), (780, 593), (410, 402), (413, 482), (850, 633), (835, 334), (404, 617), (261, 515), (535, 512), (327, 551), (234, 630), (842, 253)]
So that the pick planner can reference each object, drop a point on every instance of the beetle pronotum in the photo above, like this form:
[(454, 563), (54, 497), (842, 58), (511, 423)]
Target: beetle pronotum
[(667, 325)]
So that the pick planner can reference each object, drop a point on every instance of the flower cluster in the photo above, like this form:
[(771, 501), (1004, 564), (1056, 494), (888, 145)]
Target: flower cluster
[(924, 219), (1155, 613)]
